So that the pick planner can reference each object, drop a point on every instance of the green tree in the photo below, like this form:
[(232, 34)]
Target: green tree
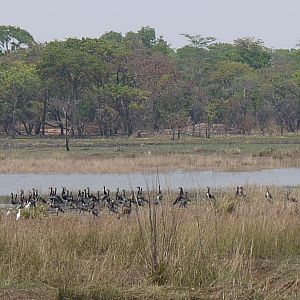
[(20, 97), (71, 68), (211, 113), (147, 36), (281, 94), (163, 47), (199, 41), (13, 38), (112, 37), (252, 52)]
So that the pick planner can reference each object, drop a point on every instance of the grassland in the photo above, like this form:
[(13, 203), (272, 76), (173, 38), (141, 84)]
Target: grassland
[(122, 155), (239, 249), (242, 248)]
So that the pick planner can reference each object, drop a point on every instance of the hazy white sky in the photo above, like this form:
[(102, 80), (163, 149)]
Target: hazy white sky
[(277, 22)]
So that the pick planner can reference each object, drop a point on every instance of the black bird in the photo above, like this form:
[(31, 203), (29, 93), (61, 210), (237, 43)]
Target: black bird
[(210, 196), (14, 199), (268, 195), (127, 209), (178, 198), (290, 198), (240, 191), (57, 208), (184, 200), (159, 196), (105, 196), (94, 210), (140, 198)]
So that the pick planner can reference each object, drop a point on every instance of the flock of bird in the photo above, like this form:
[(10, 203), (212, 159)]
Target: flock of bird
[(120, 203)]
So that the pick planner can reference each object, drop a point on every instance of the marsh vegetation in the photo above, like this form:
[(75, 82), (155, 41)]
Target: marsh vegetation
[(240, 248), (154, 154)]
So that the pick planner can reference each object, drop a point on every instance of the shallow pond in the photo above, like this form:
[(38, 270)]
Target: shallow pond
[(172, 180)]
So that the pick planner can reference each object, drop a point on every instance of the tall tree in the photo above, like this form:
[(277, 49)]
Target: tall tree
[(147, 36), (252, 52), (13, 38), (20, 97)]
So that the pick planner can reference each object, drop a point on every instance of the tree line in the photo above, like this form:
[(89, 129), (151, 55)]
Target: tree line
[(122, 84)]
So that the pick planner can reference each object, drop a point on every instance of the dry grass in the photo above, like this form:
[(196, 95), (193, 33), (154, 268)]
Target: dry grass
[(118, 155), (151, 163), (240, 249)]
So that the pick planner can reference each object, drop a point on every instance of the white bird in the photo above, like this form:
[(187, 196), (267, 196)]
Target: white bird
[(8, 213), (27, 206), (18, 215)]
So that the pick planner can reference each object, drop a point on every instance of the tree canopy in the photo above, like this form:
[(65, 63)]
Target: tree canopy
[(13, 38), (127, 83)]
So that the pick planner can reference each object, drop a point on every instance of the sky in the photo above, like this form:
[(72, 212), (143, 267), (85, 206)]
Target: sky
[(276, 22)]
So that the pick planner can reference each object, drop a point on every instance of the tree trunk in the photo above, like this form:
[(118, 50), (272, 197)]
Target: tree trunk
[(178, 134), (25, 126), (44, 118), (194, 129), (199, 130), (67, 137), (61, 127), (38, 127), (207, 131), (14, 120)]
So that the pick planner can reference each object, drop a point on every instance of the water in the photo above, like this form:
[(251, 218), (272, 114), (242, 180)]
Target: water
[(172, 180)]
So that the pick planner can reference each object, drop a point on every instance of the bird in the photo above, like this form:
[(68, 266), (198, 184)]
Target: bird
[(184, 200), (57, 208), (240, 191), (210, 196), (159, 196), (179, 197), (140, 198), (27, 206), (106, 196), (127, 208), (14, 199), (268, 195), (237, 193), (290, 198), (18, 214), (95, 212)]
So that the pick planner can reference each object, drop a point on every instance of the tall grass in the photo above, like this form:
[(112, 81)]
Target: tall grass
[(151, 163), (239, 249), (24, 155)]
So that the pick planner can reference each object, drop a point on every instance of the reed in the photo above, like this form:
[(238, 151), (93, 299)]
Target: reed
[(123, 155), (151, 163), (241, 248)]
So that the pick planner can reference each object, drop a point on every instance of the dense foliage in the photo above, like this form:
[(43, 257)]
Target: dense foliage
[(127, 83)]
